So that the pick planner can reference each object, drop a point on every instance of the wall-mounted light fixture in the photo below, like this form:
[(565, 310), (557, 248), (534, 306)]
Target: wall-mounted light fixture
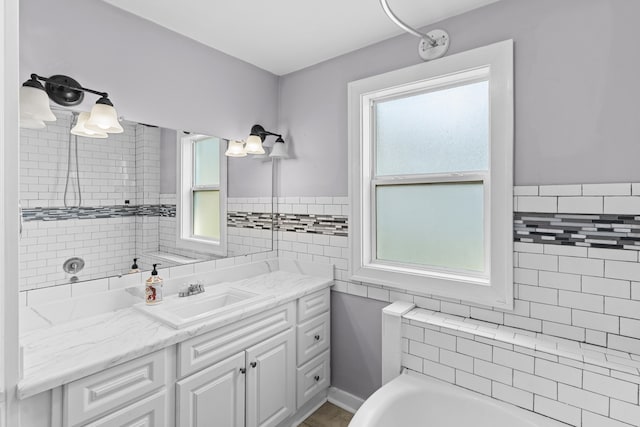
[(253, 144), (63, 90)]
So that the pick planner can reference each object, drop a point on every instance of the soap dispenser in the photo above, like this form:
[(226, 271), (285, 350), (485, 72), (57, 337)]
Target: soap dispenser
[(134, 267), (153, 288)]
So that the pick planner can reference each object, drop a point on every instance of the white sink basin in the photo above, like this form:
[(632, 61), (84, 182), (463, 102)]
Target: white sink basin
[(181, 312)]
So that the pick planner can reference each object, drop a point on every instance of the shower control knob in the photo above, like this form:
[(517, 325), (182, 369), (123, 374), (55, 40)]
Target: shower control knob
[(317, 378)]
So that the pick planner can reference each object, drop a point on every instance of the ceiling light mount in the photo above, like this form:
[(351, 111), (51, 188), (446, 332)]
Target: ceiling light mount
[(433, 45)]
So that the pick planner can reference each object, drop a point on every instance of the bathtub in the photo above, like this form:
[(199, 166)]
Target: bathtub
[(412, 400)]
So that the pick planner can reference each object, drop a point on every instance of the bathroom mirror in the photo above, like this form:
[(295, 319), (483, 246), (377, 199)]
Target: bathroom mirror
[(108, 201)]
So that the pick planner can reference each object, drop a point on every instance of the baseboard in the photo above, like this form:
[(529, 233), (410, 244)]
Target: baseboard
[(344, 400), (309, 408)]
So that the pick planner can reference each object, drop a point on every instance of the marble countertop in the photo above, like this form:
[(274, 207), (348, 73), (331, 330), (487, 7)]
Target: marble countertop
[(65, 352)]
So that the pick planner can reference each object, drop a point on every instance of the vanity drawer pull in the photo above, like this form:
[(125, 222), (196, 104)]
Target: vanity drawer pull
[(313, 337), (243, 370), (313, 377), (253, 364)]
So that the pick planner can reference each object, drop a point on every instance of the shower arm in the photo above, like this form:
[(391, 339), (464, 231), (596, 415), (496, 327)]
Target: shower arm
[(385, 6), (432, 45)]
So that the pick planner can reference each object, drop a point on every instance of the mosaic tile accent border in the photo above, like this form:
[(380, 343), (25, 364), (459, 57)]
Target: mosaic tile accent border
[(253, 220), (335, 225), (598, 231), (89, 212)]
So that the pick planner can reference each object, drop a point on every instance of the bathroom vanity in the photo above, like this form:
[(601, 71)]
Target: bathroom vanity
[(258, 361)]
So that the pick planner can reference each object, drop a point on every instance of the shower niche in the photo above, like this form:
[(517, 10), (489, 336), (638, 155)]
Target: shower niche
[(108, 201)]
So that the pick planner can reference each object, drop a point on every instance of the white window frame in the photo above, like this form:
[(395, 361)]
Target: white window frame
[(493, 63), (185, 188)]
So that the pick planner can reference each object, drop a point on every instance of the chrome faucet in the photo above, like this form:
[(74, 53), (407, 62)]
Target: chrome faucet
[(192, 289)]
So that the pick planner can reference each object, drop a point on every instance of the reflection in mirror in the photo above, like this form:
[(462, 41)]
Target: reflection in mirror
[(150, 193)]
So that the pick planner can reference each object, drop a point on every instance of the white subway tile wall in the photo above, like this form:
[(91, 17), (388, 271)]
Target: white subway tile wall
[(571, 382), (564, 295), (106, 166)]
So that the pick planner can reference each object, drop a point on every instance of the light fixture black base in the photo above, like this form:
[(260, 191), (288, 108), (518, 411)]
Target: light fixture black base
[(60, 90)]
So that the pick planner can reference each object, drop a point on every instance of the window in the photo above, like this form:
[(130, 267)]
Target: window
[(201, 207), (431, 163)]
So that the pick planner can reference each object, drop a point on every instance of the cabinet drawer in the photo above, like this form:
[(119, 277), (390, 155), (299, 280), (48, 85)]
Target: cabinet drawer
[(149, 412), (314, 337), (311, 305), (205, 350), (112, 388), (313, 377)]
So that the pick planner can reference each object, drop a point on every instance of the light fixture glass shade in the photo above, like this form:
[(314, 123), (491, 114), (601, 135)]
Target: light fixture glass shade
[(31, 123), (34, 104), (279, 151), (254, 145), (235, 149), (103, 119), (80, 129)]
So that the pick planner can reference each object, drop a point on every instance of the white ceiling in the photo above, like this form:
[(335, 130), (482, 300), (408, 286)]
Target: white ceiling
[(283, 36)]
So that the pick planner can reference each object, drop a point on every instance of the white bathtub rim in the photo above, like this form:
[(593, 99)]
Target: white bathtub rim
[(410, 381)]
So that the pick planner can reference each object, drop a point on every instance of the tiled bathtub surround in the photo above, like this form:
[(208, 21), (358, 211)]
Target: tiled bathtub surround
[(579, 384), (587, 295)]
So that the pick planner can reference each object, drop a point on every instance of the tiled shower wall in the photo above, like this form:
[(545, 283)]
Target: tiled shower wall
[(577, 275), (107, 178)]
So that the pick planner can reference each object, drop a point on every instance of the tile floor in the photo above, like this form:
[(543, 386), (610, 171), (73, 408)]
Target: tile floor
[(328, 415)]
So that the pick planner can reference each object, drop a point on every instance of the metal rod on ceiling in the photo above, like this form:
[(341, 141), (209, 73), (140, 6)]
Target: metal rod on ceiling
[(404, 26)]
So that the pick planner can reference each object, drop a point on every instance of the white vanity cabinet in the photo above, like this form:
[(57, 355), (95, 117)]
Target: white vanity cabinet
[(253, 387), (313, 374), (267, 370), (133, 393)]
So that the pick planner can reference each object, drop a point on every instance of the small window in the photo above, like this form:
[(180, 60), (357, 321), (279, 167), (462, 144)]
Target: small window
[(432, 177), (201, 209)]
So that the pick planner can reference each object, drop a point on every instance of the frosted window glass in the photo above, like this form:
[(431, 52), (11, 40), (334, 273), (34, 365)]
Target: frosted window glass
[(206, 214), (438, 225), (435, 132), (207, 162)]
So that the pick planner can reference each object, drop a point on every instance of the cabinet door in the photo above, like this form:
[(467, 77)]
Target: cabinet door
[(213, 396), (270, 380)]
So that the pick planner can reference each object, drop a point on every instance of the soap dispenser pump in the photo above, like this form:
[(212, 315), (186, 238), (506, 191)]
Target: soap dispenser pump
[(153, 288), (134, 267)]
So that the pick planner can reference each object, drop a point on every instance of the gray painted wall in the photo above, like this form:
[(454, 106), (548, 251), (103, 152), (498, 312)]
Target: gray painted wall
[(576, 85), (153, 75), (577, 120), (356, 358)]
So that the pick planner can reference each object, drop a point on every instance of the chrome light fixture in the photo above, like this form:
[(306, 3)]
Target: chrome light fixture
[(253, 145), (63, 90), (433, 45)]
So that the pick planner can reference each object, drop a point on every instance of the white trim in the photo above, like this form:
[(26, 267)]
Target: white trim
[(184, 199), (392, 338), (9, 214), (495, 63), (344, 400)]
